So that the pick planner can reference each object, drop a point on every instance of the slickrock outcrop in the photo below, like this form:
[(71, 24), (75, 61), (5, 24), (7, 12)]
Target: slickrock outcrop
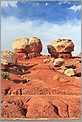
[(31, 47), (61, 48)]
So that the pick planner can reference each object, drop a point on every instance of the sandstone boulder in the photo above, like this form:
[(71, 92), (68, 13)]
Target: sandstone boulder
[(25, 45), (8, 57), (70, 72), (61, 46), (35, 45), (58, 62), (20, 45)]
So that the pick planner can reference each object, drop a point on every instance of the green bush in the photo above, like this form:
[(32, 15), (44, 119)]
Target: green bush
[(5, 75)]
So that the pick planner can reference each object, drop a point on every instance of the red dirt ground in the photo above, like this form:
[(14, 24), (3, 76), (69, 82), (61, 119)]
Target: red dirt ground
[(37, 93)]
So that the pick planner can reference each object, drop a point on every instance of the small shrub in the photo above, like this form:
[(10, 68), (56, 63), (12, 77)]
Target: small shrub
[(5, 75), (58, 78)]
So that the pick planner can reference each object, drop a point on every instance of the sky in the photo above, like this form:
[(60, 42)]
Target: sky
[(47, 20)]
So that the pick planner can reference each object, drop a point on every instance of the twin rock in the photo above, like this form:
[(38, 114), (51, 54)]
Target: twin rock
[(33, 47), (25, 48)]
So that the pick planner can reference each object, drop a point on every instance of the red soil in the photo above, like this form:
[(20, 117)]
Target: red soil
[(37, 93)]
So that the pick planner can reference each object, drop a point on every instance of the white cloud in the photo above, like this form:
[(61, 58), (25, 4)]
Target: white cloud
[(7, 3), (46, 4), (64, 2), (60, 3), (11, 29), (37, 3), (75, 8)]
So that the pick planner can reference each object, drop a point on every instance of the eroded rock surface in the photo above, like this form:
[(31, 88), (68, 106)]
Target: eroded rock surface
[(45, 87), (47, 93), (31, 47), (61, 48), (58, 62)]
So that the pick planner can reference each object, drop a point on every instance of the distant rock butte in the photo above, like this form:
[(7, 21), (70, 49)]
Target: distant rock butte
[(61, 48)]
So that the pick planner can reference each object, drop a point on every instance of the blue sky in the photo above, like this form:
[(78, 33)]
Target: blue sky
[(47, 20)]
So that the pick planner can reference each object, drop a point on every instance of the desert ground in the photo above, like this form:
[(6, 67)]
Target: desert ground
[(41, 87)]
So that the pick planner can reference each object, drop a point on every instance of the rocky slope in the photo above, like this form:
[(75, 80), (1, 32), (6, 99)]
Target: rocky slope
[(42, 87)]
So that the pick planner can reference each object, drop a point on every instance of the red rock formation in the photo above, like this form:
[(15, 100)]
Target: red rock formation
[(38, 89)]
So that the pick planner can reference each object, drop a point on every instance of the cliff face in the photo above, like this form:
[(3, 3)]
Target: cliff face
[(42, 86)]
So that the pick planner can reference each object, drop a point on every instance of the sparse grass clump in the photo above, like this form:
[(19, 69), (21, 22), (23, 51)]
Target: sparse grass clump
[(58, 78), (5, 75)]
